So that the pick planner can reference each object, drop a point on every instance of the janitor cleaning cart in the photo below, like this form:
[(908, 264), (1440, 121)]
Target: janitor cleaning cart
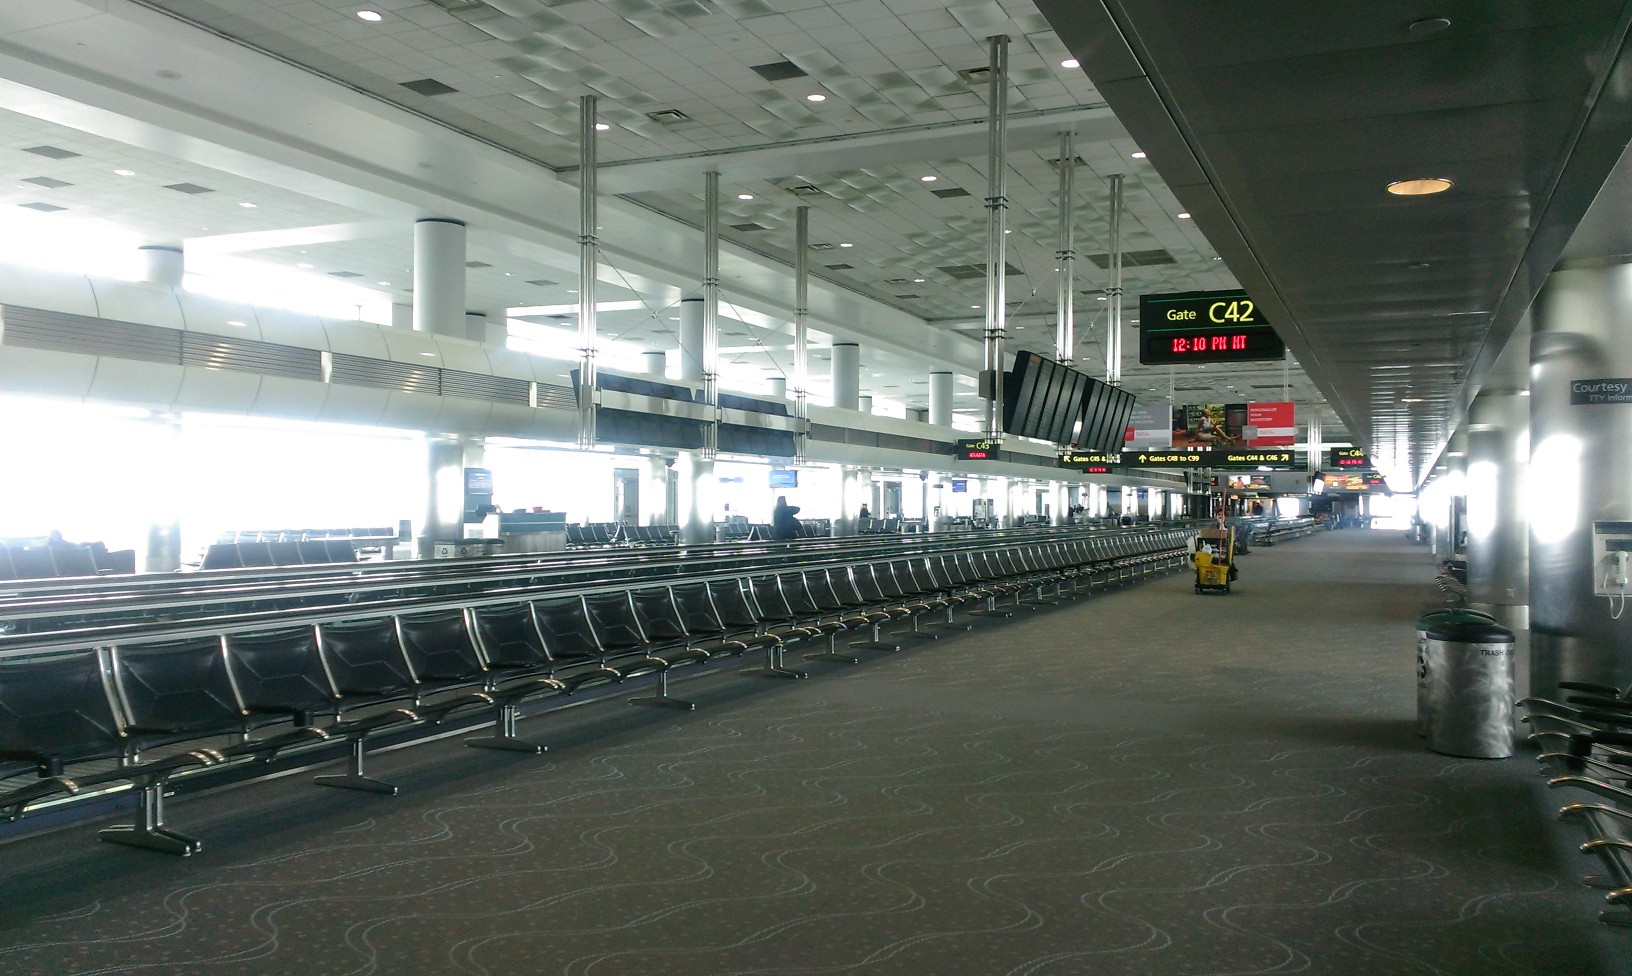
[(1215, 559)]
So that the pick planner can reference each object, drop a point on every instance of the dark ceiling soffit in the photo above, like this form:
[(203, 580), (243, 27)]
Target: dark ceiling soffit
[(1601, 138)]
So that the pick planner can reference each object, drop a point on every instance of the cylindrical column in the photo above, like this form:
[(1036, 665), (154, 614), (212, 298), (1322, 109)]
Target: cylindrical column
[(846, 375), (1113, 317), (162, 553), (695, 497), (779, 387), (476, 327), (711, 310), (445, 458), (654, 492), (864, 403), (855, 489), (656, 362), (940, 398), (439, 276), (1580, 467), (589, 249), (163, 265), (1498, 528), (801, 329), (1065, 339), (921, 416), (997, 210), (402, 316), (691, 339)]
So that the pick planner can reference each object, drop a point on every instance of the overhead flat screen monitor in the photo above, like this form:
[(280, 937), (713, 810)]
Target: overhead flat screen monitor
[(975, 449), (1042, 398), (1105, 418), (1349, 457), (1204, 327), (784, 478)]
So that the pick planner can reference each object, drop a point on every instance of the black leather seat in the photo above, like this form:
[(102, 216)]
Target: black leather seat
[(512, 648), (564, 624)]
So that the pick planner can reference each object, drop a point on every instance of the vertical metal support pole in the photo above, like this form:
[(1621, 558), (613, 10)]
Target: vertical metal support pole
[(588, 259), (711, 312), (1113, 325), (997, 209), (1065, 342), (801, 330)]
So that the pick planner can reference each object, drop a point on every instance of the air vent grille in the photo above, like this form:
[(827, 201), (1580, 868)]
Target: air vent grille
[(250, 356), (380, 374), (559, 397), (35, 328), (969, 272), (500, 388), (950, 192)]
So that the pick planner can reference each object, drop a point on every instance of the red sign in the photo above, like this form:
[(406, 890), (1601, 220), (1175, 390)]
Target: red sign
[(1273, 425)]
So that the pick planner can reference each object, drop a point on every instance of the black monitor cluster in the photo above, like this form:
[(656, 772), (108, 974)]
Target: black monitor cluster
[(1053, 402)]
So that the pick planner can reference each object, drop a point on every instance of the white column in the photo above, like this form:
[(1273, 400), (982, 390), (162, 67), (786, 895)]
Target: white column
[(864, 403), (402, 316), (855, 488), (846, 363), (779, 387), (654, 492), (697, 489), (163, 264), (162, 554), (940, 398), (656, 362), (439, 277), (476, 328), (691, 339)]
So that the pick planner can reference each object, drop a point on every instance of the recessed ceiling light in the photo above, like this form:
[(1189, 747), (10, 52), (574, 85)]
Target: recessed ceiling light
[(919, 281), (385, 284), (847, 244), (813, 97), (1070, 63), (1184, 215), (1099, 298), (1007, 231), (1217, 258), (745, 196), (247, 205), (1420, 188), (601, 127), (928, 179), (430, 354), (303, 264), (124, 172), (1428, 25), (372, 16), (1410, 399), (1139, 155)]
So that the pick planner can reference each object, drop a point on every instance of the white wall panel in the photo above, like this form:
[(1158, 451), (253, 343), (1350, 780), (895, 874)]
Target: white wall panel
[(134, 302), (217, 390), (126, 381), (290, 399), (462, 354), (46, 373), (354, 404), (414, 411), (41, 289), (203, 313), (356, 339)]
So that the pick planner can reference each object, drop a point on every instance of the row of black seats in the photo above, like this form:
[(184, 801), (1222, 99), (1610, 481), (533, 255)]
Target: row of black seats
[(1586, 743), (373, 534), (615, 534), (253, 555), (50, 562), (145, 714)]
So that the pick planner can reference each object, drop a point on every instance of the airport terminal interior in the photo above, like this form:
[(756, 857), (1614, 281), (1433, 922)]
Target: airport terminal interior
[(807, 486)]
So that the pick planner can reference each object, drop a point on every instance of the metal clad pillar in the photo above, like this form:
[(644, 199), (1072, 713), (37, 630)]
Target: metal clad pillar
[(801, 329), (846, 364), (691, 339), (940, 398), (711, 311), (779, 387), (695, 486), (1580, 470), (656, 362), (589, 248), (439, 277), (1498, 526), (1065, 340), (1113, 318), (997, 209)]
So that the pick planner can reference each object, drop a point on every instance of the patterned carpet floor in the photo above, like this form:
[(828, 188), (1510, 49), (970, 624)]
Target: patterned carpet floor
[(1144, 781)]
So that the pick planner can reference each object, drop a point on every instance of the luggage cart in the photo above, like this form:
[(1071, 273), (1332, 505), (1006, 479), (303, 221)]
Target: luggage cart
[(1214, 558)]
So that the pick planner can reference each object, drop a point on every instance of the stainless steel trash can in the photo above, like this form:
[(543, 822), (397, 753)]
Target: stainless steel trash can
[(1425, 664), (1470, 690)]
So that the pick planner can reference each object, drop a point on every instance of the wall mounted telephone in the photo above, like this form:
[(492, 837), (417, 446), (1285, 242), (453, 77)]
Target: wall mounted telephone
[(1611, 558)]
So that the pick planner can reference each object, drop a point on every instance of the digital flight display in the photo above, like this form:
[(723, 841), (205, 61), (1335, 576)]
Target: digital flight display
[(1204, 327), (976, 450), (1349, 457)]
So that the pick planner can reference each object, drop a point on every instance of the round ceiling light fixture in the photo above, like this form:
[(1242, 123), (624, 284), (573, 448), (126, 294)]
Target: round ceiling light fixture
[(813, 97), (372, 16), (1427, 25), (1070, 63), (1420, 187)]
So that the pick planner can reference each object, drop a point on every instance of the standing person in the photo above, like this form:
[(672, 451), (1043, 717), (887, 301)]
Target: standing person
[(783, 524)]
